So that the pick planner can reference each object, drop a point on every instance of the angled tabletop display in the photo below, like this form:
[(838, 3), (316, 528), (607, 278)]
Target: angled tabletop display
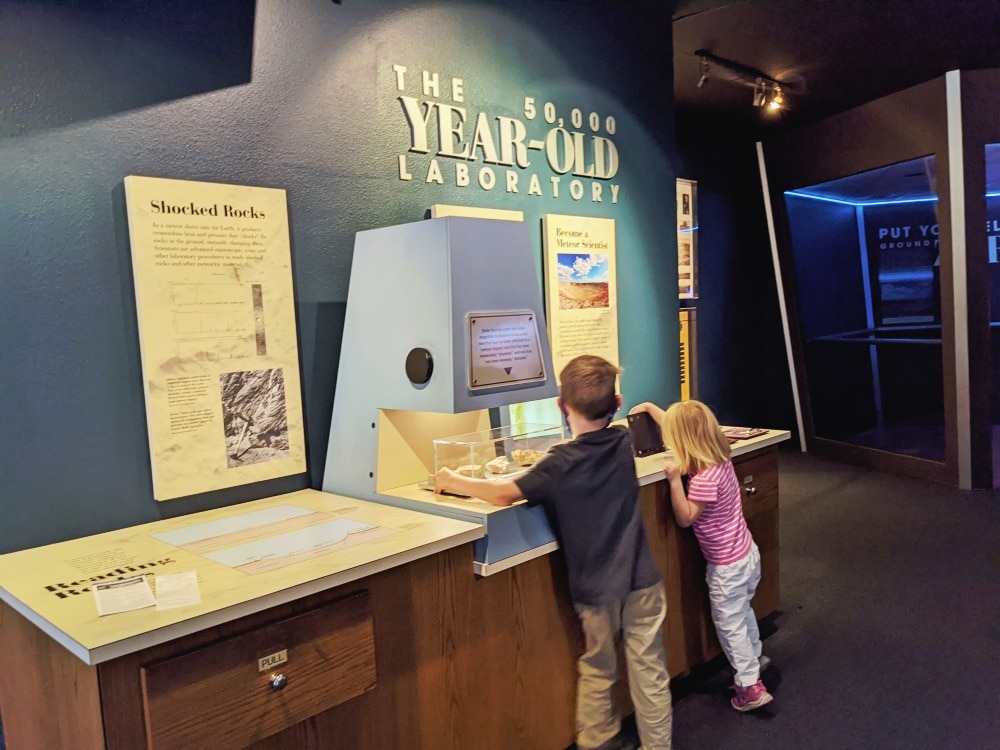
[(247, 558)]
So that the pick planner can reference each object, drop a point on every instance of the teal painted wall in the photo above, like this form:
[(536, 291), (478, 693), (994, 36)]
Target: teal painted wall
[(300, 95)]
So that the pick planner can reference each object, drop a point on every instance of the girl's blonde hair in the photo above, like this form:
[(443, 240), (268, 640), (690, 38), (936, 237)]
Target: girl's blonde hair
[(692, 432)]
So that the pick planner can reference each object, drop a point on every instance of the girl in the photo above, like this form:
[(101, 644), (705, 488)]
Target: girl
[(712, 505)]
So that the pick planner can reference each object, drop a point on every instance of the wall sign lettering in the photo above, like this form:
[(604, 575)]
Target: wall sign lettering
[(539, 151)]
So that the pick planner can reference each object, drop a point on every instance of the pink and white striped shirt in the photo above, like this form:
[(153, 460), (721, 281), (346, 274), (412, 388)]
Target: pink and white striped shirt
[(721, 528)]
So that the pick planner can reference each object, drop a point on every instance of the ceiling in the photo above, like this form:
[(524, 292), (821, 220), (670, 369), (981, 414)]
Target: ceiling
[(827, 55)]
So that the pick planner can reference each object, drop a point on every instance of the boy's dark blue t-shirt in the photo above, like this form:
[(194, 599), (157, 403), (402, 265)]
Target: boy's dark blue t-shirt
[(590, 494)]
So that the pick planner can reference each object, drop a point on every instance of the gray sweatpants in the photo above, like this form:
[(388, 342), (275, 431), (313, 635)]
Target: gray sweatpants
[(639, 622)]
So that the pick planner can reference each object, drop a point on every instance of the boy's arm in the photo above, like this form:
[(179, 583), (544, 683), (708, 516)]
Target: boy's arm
[(650, 408), (685, 511), (501, 492)]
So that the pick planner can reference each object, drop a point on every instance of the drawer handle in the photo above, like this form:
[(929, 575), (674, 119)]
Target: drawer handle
[(278, 681), (751, 489)]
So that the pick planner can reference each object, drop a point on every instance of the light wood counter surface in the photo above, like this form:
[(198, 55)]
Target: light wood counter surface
[(649, 469), (517, 533)]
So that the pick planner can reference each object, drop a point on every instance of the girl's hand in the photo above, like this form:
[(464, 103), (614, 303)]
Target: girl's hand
[(672, 470), (651, 409)]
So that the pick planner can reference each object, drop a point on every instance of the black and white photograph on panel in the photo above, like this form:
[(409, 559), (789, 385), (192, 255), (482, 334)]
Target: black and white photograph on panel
[(254, 416)]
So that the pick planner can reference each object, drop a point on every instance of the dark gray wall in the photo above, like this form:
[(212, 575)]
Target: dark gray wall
[(294, 94), (742, 367)]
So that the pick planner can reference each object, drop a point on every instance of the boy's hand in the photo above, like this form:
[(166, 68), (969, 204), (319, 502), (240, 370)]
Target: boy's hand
[(442, 480), (672, 470)]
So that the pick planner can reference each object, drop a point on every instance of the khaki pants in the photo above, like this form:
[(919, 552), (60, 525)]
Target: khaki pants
[(639, 622)]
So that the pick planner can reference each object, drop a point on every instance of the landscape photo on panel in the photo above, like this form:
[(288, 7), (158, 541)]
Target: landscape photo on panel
[(583, 281)]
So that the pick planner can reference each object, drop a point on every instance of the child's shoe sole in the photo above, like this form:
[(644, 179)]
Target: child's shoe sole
[(763, 700)]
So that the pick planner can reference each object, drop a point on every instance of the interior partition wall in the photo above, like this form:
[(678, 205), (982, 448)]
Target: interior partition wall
[(980, 98), (886, 276)]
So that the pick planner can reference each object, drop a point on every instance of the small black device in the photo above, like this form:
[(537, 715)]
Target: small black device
[(646, 436)]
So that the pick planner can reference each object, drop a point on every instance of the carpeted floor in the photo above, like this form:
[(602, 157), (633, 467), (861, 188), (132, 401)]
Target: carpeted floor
[(888, 636)]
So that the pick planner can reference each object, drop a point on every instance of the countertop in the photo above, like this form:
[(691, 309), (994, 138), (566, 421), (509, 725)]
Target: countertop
[(650, 468), (247, 557)]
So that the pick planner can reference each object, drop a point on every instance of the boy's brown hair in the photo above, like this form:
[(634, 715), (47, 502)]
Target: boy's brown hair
[(692, 433), (587, 385)]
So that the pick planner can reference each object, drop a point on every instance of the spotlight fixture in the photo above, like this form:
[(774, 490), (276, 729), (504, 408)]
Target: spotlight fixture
[(767, 93), (704, 73), (777, 99)]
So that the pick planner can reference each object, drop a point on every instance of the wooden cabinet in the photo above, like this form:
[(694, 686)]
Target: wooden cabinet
[(421, 654)]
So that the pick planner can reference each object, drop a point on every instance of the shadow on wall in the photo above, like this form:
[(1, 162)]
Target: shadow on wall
[(323, 324), (184, 47)]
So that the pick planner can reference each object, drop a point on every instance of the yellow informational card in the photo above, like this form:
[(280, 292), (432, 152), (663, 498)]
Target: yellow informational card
[(215, 306)]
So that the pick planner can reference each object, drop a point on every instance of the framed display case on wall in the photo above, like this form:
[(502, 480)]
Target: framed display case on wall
[(687, 239)]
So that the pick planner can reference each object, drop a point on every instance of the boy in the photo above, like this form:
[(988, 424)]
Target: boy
[(589, 491)]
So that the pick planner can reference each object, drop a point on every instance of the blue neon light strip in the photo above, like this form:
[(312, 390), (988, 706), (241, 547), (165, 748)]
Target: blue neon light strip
[(862, 204)]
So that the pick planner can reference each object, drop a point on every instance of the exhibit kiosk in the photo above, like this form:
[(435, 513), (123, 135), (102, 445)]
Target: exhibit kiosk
[(444, 327), (351, 616)]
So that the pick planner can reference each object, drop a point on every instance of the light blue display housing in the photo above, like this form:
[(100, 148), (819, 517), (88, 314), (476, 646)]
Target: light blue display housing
[(414, 286), (511, 533)]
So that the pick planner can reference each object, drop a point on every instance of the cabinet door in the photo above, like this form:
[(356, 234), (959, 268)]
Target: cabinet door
[(242, 689), (758, 477), (688, 634)]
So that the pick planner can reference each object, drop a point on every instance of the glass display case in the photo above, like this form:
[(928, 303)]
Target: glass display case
[(498, 453), (865, 258)]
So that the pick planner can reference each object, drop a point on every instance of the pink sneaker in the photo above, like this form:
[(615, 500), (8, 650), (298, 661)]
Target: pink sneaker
[(749, 698), (764, 661)]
